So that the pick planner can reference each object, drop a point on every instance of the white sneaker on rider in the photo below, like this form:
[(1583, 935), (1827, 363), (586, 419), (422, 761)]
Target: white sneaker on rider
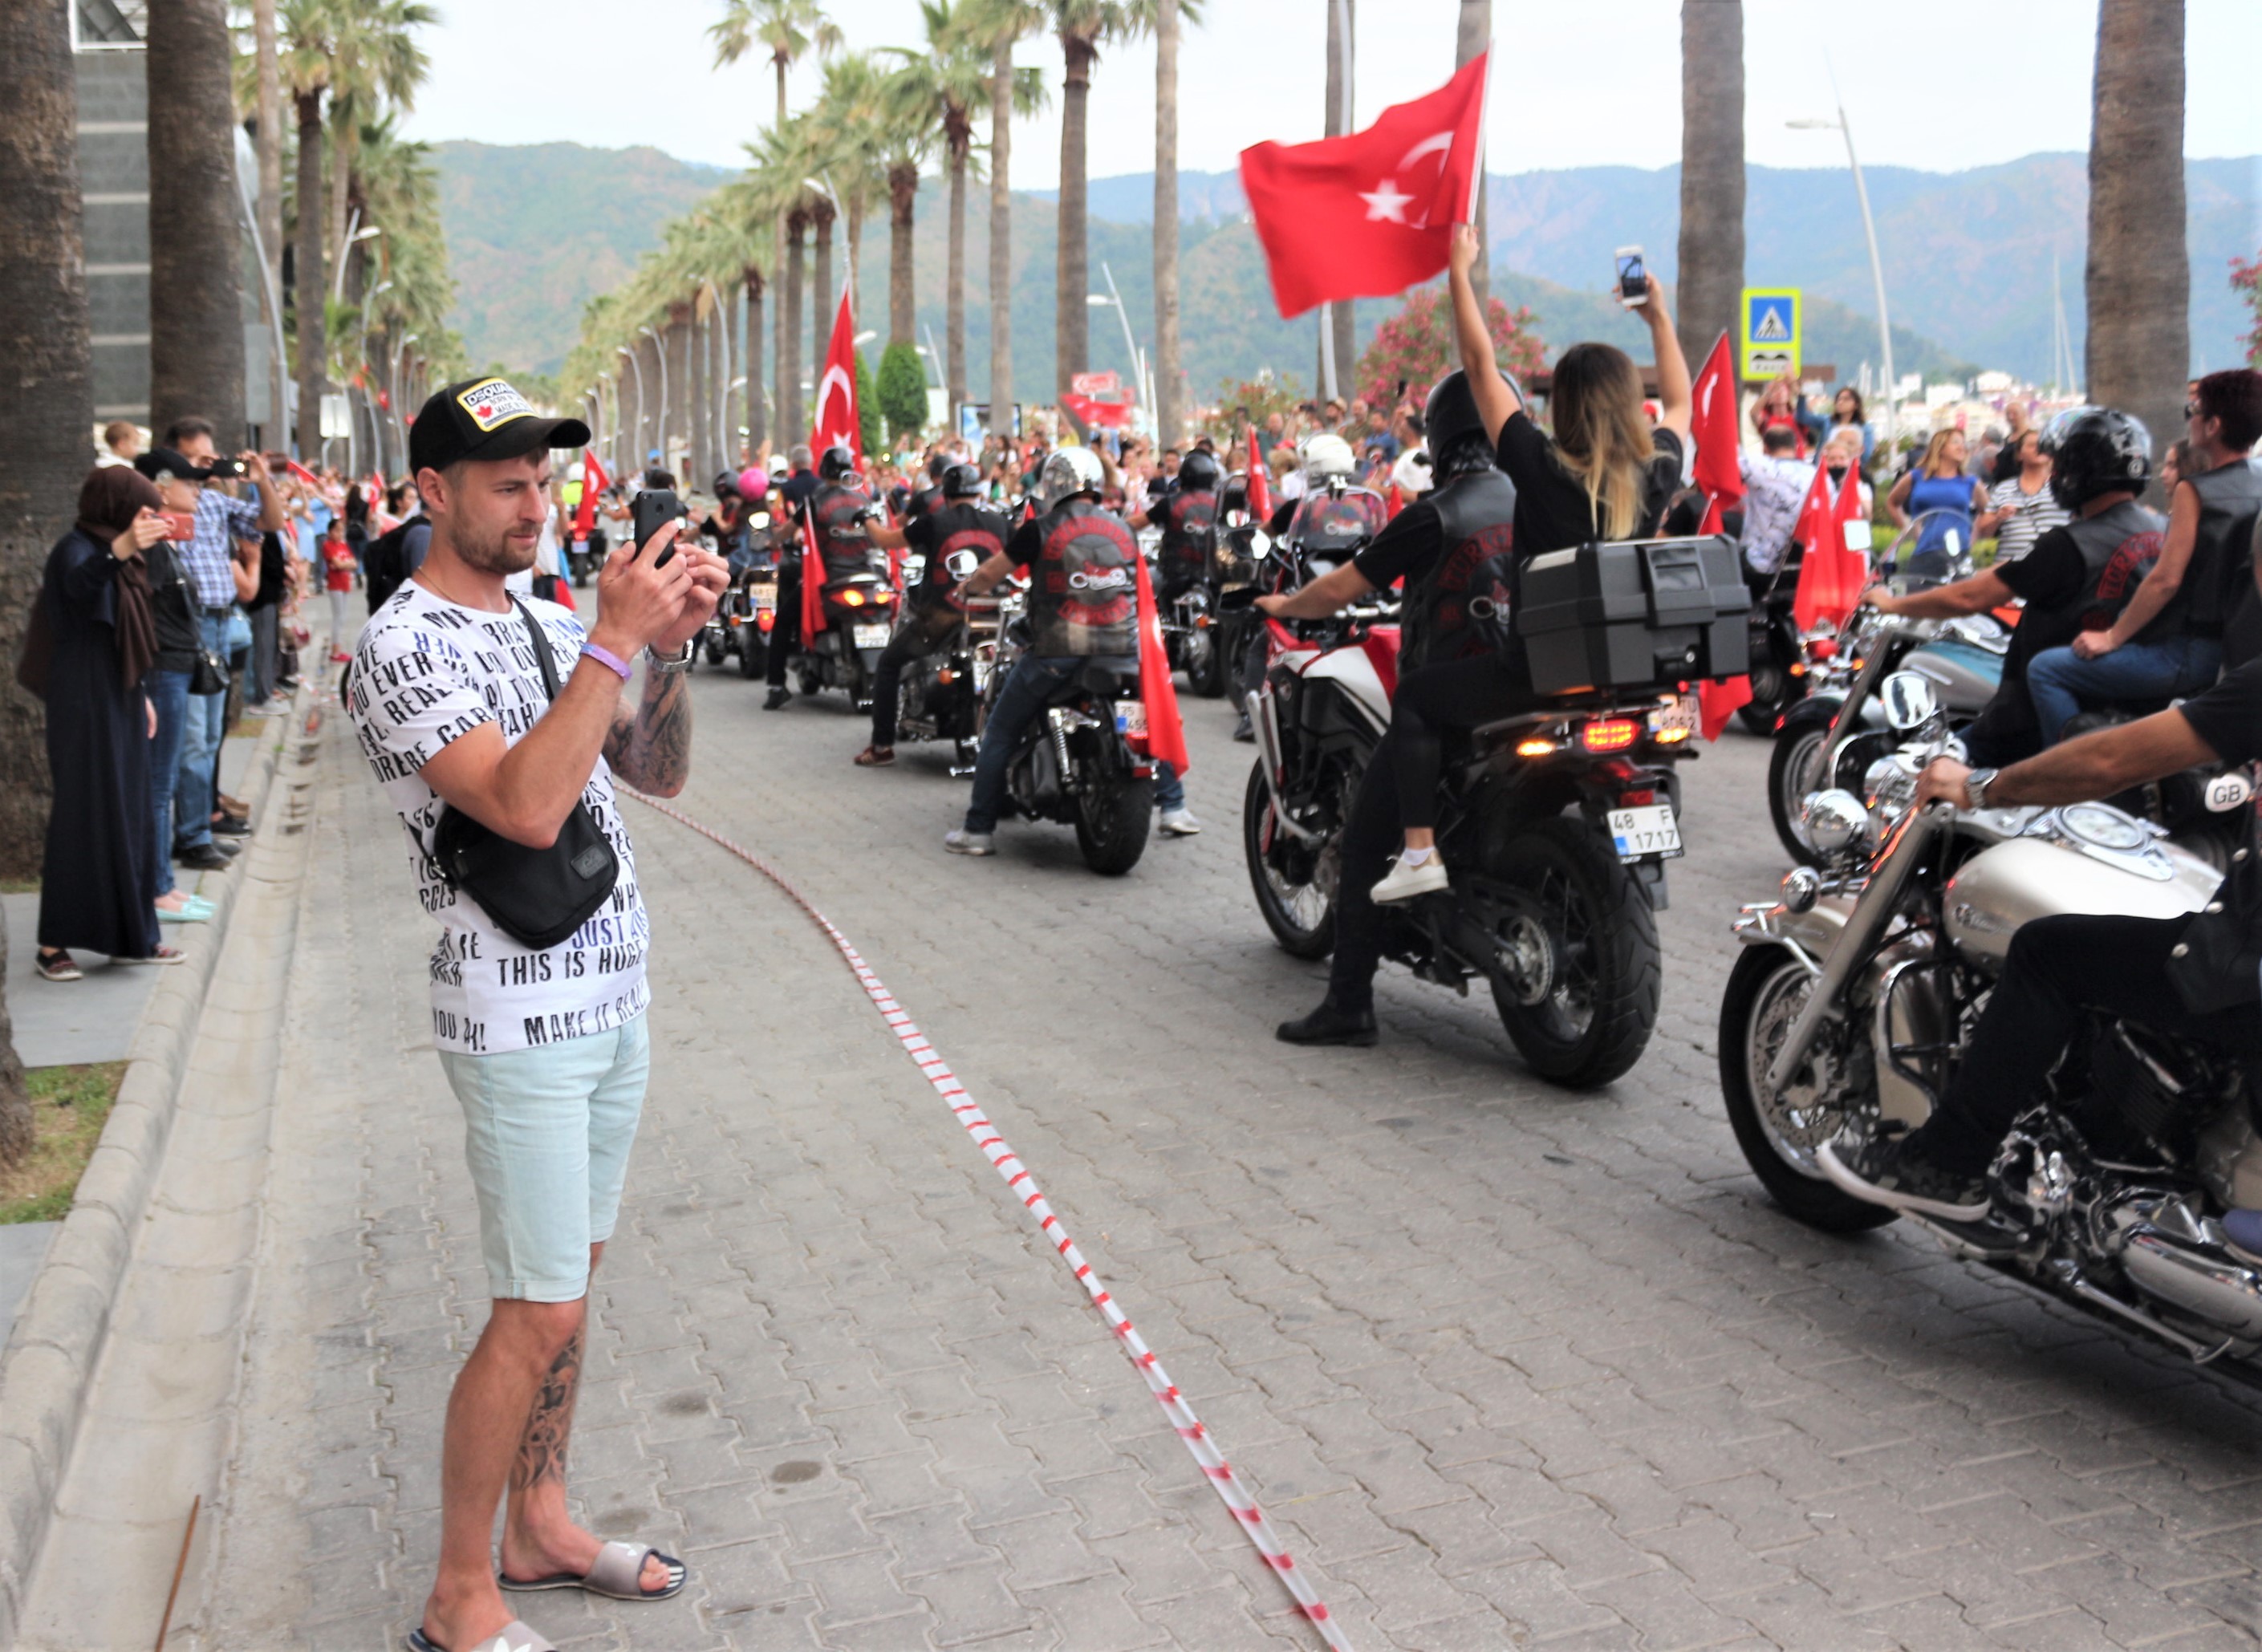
[(1407, 878), (959, 841), (1180, 822)]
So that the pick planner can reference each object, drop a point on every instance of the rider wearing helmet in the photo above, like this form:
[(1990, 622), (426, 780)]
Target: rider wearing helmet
[(959, 524), (2077, 578), (1187, 515), (1082, 564), (1435, 545), (831, 514)]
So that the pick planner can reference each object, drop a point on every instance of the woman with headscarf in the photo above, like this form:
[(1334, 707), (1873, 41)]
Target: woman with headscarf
[(93, 639)]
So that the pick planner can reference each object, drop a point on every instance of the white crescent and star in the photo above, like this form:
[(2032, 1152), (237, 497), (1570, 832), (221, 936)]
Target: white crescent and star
[(1386, 203)]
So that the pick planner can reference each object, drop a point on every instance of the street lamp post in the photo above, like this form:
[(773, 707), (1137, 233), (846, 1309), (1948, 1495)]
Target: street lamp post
[(399, 412), (354, 236), (659, 424), (636, 433), (1114, 299), (1877, 264), (353, 432)]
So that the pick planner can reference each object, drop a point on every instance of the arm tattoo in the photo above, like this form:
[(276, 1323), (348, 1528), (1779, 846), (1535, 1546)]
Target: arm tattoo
[(542, 1447), (651, 747)]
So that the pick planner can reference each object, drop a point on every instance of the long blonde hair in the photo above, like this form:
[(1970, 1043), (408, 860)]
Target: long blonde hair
[(1934, 449), (1601, 437)]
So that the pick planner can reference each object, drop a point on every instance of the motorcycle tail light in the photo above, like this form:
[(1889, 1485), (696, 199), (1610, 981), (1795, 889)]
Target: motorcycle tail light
[(946, 676), (767, 619), (1534, 748), (852, 599), (1823, 648), (1637, 800), (1609, 734)]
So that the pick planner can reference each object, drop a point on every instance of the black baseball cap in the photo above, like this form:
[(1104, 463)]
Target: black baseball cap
[(163, 462), (484, 418)]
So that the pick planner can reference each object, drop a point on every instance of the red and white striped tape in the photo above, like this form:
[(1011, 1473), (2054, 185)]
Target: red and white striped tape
[(1199, 1440)]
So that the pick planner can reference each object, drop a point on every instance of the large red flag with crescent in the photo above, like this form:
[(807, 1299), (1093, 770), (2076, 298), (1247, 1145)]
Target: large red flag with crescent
[(594, 482), (1166, 732), (837, 424), (1371, 214), (1712, 423), (1260, 482), (1830, 578)]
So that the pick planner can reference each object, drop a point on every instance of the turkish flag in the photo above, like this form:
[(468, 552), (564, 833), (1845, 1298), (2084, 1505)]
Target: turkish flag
[(1166, 732), (594, 482), (1260, 482), (1091, 413), (1717, 701), (1369, 215), (1712, 423), (837, 424), (1830, 578), (812, 578)]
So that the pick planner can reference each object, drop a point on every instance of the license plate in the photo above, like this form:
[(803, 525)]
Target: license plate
[(1680, 712), (1130, 717), (765, 598), (871, 636), (1640, 833)]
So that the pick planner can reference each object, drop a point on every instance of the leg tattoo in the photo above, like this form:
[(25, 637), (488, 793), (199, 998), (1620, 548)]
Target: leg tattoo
[(542, 1447)]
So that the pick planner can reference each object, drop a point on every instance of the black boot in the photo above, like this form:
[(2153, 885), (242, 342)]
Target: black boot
[(1330, 1023), (778, 696)]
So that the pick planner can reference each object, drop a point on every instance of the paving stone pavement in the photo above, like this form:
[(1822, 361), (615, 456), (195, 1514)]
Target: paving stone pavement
[(1507, 1366)]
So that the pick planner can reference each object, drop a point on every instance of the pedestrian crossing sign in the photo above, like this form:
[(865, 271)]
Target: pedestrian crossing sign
[(1770, 332)]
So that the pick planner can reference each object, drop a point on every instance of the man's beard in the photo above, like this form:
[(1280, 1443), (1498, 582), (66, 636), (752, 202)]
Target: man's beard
[(499, 555)]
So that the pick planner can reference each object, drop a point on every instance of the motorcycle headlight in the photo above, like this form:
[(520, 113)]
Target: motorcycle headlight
[(1835, 822)]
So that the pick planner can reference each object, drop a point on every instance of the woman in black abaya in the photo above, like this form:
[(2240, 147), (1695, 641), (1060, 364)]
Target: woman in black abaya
[(92, 632)]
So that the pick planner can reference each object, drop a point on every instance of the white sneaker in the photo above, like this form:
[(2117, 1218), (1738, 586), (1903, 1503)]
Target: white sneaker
[(1403, 882), (959, 841), (268, 708), (1180, 822)]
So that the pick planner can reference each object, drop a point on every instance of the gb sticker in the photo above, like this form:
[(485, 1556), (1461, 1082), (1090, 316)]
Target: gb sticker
[(2227, 792)]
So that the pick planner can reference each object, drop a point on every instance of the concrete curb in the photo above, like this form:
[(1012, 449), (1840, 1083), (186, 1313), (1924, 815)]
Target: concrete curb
[(65, 1319)]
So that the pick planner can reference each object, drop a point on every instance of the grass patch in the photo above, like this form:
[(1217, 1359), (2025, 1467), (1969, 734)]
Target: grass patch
[(69, 1107), (19, 885)]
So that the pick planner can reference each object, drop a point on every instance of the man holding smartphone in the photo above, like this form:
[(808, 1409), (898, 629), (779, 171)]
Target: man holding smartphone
[(545, 1047)]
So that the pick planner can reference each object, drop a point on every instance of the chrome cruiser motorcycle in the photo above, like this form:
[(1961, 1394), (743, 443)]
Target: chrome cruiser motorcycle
[(1863, 982)]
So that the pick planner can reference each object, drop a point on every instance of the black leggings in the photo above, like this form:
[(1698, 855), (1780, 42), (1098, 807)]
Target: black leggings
[(785, 630), (1371, 835), (1456, 694)]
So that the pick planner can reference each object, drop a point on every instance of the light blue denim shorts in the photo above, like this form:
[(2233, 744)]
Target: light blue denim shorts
[(547, 1132)]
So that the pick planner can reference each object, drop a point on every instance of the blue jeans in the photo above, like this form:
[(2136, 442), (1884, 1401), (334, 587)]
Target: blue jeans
[(203, 727), (168, 692), (2059, 683), (1029, 688)]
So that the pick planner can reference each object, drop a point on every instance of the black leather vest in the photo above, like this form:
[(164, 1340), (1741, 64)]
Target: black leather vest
[(2118, 548), (1476, 512), (841, 540), (1083, 590), (2221, 569)]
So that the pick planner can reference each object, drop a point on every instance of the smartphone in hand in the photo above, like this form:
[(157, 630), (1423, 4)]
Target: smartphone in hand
[(180, 526), (1633, 278), (654, 508)]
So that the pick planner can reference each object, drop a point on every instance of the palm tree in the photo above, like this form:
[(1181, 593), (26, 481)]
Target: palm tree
[(45, 421), (994, 26), (908, 130), (1472, 35), (1082, 26), (1166, 411), (374, 60), (306, 71), (266, 106), (845, 146), (2139, 275), (196, 293), (1342, 316), (1711, 250)]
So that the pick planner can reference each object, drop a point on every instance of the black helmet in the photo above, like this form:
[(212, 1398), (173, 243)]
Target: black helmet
[(1200, 471), (961, 482), (2096, 451), (1455, 429), (835, 462), (726, 485)]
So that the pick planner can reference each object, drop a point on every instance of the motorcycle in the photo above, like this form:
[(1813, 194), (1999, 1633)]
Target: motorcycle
[(941, 695), (1860, 983), (1557, 824), (1083, 762), (860, 611)]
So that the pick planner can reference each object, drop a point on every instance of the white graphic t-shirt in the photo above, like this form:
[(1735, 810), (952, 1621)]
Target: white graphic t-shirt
[(425, 672)]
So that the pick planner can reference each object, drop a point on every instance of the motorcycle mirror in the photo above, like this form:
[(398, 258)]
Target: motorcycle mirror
[(1908, 701), (1835, 820), (760, 519)]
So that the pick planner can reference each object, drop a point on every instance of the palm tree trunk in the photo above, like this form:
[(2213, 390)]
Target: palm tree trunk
[(678, 334), (954, 324), (1473, 35), (345, 148), (268, 143), (758, 427), (821, 295), (1167, 416), (46, 418), (784, 315), (308, 288), (196, 263), (1001, 240), (1343, 313), (903, 204), (1711, 250), (2139, 274), (792, 416), (700, 461), (1071, 314)]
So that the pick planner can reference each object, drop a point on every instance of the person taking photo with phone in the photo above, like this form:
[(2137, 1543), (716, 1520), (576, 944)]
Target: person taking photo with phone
[(469, 702)]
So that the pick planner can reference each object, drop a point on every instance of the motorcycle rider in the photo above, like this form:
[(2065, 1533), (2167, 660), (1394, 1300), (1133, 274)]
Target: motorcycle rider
[(2076, 579), (2169, 639), (831, 513), (959, 521), (1083, 603), (2196, 977), (1187, 515), (1433, 545)]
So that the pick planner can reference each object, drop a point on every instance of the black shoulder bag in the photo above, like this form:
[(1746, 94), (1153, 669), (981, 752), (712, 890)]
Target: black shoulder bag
[(539, 897)]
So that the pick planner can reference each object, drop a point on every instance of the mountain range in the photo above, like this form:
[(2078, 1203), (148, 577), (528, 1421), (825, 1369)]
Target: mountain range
[(535, 231)]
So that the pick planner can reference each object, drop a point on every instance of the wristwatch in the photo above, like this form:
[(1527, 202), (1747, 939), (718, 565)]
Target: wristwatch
[(673, 662), (1976, 785)]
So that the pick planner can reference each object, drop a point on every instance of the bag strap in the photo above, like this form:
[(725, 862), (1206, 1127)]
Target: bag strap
[(542, 654)]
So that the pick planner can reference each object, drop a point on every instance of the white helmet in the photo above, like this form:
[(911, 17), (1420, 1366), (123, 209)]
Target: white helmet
[(1325, 455), (1068, 471)]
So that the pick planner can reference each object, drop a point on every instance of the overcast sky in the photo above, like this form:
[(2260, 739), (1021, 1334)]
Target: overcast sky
[(1573, 85)]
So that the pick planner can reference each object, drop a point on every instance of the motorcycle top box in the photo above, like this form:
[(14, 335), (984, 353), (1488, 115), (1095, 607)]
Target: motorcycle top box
[(1634, 613)]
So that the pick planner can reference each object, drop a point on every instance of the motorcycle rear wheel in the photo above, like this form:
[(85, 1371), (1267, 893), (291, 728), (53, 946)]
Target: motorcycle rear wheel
[(1772, 697), (1300, 916), (1601, 1003), (1764, 997), (714, 649), (753, 654), (1113, 818), (1204, 666)]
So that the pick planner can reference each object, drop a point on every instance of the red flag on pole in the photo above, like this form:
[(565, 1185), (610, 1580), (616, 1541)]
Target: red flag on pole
[(594, 482), (1712, 423), (1371, 214), (1260, 482), (1166, 733), (812, 578), (836, 424), (1718, 701), (1830, 580)]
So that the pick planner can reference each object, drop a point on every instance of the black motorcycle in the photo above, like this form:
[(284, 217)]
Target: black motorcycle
[(940, 696), (860, 611)]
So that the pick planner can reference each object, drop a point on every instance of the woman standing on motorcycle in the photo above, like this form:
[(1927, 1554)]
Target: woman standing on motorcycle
[(1604, 474)]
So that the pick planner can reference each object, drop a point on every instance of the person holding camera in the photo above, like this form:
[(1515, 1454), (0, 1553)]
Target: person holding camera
[(495, 727)]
